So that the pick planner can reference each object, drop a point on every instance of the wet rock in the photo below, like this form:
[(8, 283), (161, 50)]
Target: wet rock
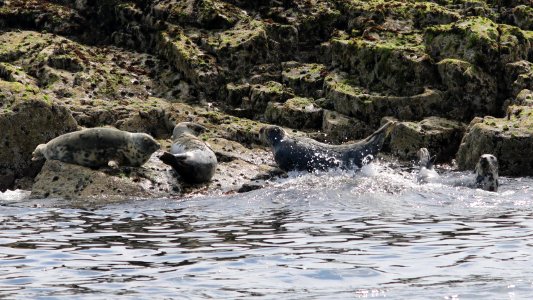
[(7, 178), (472, 91), (440, 136), (339, 128), (506, 138), (296, 113), (305, 79), (68, 181)]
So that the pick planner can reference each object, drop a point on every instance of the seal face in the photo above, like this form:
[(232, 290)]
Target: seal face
[(98, 147), (189, 156), (299, 153), (487, 173)]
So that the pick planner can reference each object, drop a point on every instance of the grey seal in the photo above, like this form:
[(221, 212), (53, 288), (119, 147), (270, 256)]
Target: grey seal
[(192, 158), (486, 170), (300, 153), (98, 147)]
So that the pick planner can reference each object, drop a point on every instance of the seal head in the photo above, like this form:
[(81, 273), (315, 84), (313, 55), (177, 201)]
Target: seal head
[(187, 128), (487, 173)]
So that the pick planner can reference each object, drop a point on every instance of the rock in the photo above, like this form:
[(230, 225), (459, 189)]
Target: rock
[(68, 181), (296, 113), (394, 64), (242, 47), (353, 100), (272, 91), (507, 138), (304, 79), (210, 14), (440, 136), (522, 16), (7, 178), (472, 91), (339, 128), (478, 41), (189, 58), (26, 120)]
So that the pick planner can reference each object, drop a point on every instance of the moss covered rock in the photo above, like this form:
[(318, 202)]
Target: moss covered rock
[(352, 100), (296, 113), (305, 79), (339, 128), (509, 139), (471, 91), (27, 119), (271, 91), (440, 136)]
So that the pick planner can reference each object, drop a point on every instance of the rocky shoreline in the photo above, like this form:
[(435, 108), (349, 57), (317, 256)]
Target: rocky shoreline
[(457, 74)]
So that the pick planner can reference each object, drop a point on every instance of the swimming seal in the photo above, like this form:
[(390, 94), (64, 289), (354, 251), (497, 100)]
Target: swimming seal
[(486, 173), (427, 171), (192, 159), (299, 153), (98, 147)]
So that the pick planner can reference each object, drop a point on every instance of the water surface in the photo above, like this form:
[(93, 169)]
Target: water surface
[(335, 235)]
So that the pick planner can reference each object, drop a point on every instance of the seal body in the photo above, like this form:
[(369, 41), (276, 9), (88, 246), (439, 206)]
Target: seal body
[(427, 171), (98, 147), (189, 156), (297, 153), (487, 173), (486, 177)]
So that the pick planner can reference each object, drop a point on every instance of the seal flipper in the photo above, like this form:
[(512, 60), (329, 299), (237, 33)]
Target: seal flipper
[(172, 160)]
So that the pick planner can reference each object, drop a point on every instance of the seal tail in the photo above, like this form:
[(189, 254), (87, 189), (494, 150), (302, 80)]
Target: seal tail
[(172, 159), (374, 142)]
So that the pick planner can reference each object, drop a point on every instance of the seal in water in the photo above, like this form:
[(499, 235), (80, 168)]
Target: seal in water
[(299, 153), (486, 172), (192, 159), (98, 147)]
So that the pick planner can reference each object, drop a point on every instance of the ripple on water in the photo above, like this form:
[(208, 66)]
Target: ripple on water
[(374, 233)]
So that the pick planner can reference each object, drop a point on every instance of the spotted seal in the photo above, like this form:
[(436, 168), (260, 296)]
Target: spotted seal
[(299, 153), (486, 172), (192, 159), (98, 147)]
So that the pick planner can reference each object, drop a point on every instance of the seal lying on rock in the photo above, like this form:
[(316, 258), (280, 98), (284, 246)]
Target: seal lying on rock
[(98, 147), (193, 159), (486, 172), (299, 153)]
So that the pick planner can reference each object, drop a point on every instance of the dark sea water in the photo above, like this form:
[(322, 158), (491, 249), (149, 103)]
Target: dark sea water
[(336, 235)]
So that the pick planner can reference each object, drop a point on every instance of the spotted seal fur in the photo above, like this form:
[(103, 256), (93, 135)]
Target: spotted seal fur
[(486, 172), (299, 153), (98, 147), (192, 158)]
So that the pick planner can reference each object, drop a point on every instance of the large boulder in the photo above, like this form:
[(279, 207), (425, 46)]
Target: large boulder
[(440, 136), (27, 119), (69, 181), (510, 139), (472, 91)]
